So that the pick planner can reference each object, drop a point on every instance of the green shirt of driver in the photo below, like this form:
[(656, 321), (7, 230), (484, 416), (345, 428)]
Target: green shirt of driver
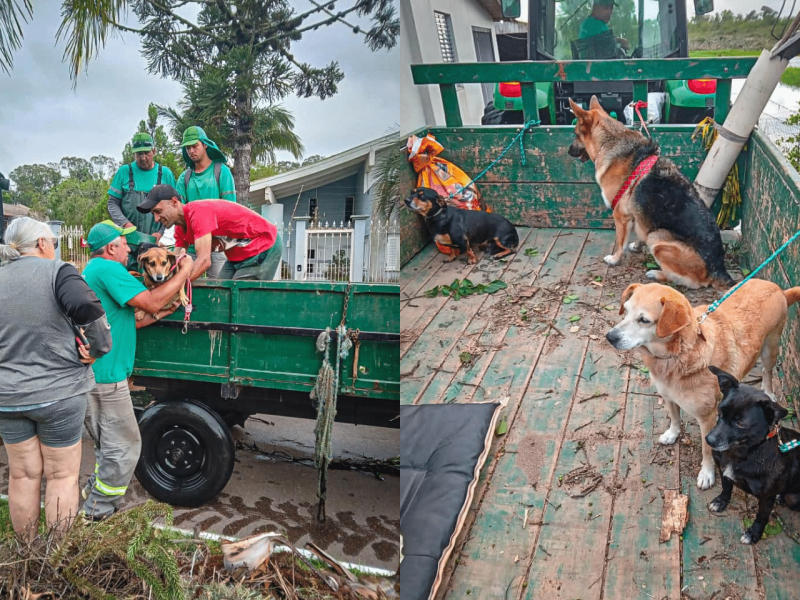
[(592, 27)]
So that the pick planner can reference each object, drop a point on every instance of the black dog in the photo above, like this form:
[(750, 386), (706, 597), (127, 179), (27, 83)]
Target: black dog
[(745, 444), (463, 229)]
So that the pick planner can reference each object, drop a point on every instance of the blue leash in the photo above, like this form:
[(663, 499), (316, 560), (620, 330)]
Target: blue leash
[(525, 127), (715, 305)]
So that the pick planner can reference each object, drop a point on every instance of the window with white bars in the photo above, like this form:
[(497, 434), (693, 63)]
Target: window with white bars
[(444, 28)]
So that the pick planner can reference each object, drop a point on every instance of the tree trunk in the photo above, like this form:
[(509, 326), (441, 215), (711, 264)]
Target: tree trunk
[(243, 146)]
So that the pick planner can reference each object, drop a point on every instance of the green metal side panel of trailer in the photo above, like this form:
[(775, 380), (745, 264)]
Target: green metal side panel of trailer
[(278, 361)]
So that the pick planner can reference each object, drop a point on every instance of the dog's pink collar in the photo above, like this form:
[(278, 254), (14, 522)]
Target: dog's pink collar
[(642, 169)]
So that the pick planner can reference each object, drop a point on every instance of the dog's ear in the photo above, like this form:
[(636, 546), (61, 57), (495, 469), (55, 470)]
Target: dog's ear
[(172, 258), (727, 382), (774, 413), (441, 200), (577, 110), (594, 104), (141, 257), (674, 317), (626, 296)]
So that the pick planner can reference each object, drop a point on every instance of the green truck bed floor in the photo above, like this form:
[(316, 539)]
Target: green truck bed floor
[(569, 503)]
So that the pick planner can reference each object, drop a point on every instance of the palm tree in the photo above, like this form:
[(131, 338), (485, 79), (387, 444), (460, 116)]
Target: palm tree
[(12, 15), (387, 175)]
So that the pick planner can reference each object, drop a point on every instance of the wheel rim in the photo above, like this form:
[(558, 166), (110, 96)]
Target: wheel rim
[(179, 457)]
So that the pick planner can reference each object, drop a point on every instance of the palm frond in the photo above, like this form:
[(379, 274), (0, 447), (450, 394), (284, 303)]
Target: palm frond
[(87, 25), (12, 15), (387, 174)]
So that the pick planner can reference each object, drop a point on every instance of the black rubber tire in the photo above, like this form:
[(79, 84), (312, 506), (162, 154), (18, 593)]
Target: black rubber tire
[(491, 116), (187, 453)]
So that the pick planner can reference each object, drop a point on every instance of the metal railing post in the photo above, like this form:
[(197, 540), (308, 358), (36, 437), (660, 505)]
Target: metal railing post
[(300, 248), (357, 253)]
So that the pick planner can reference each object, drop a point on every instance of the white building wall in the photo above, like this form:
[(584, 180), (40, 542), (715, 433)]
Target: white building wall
[(419, 43)]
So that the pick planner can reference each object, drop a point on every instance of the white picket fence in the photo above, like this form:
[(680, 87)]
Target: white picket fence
[(73, 248)]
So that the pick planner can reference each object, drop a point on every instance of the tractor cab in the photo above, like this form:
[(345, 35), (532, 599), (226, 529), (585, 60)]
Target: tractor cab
[(602, 30)]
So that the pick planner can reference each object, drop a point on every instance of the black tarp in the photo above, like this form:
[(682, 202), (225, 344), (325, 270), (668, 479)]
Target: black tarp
[(443, 447)]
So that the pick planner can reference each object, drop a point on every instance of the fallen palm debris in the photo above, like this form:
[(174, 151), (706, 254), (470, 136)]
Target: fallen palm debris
[(125, 556)]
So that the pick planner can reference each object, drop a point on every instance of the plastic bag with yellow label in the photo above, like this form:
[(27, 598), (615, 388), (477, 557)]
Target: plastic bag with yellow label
[(443, 176)]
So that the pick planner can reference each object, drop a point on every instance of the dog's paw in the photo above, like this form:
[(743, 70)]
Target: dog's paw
[(655, 274), (669, 437), (705, 479), (750, 537), (610, 259), (635, 246), (718, 504)]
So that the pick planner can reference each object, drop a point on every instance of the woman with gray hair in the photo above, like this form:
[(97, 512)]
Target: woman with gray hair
[(45, 369)]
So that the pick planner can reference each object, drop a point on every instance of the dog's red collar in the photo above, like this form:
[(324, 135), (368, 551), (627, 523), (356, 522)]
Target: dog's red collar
[(773, 433), (642, 169)]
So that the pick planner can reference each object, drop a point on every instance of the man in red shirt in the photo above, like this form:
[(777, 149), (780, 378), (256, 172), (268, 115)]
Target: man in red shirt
[(252, 245)]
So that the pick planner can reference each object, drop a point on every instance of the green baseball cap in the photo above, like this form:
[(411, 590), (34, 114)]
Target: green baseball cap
[(192, 135), (142, 142), (105, 232)]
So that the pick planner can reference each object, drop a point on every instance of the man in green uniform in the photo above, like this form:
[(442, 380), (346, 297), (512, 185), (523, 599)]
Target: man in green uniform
[(110, 418), (207, 178), (130, 186), (597, 23)]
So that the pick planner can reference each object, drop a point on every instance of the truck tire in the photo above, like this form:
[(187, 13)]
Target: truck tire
[(187, 453)]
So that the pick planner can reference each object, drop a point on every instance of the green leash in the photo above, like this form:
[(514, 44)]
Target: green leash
[(715, 305)]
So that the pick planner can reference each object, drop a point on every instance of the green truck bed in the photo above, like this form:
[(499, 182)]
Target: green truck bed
[(569, 504)]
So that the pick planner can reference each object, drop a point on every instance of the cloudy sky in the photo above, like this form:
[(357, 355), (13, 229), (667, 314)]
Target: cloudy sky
[(42, 119)]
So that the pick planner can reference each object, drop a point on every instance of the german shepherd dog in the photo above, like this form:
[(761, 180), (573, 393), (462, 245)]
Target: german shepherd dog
[(745, 443), (662, 206), (463, 229), (157, 268)]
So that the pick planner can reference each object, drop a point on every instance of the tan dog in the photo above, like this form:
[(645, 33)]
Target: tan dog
[(660, 204), (158, 267), (678, 350)]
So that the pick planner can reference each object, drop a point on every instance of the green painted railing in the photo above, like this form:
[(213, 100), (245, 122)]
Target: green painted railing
[(639, 71)]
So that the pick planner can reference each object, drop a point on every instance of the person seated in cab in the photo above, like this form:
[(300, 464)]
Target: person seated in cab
[(596, 24)]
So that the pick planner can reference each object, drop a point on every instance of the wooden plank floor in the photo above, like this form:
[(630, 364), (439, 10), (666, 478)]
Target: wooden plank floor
[(569, 503)]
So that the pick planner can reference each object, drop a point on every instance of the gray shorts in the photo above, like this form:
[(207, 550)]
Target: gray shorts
[(58, 425)]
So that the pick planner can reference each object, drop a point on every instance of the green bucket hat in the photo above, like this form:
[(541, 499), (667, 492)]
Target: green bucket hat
[(105, 232), (142, 142), (195, 134)]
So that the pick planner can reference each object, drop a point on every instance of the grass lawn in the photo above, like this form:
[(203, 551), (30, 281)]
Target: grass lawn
[(716, 53), (790, 77)]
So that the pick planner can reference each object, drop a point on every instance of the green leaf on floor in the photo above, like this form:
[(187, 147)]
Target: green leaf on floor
[(495, 286), (610, 307), (531, 252), (465, 357), (574, 318), (433, 292), (772, 528), (461, 289), (651, 265), (502, 426), (745, 271), (570, 299), (644, 369)]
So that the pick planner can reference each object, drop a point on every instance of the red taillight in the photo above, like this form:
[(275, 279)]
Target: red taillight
[(510, 89), (703, 86)]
